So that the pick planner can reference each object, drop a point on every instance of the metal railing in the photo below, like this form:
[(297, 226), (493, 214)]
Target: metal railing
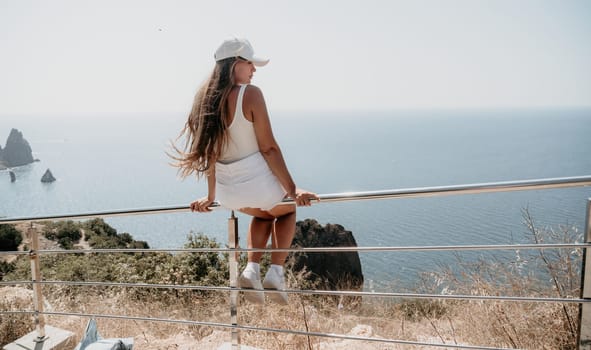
[(584, 341)]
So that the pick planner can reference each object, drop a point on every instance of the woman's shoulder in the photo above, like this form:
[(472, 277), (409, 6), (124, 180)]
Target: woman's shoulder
[(253, 90), (253, 94)]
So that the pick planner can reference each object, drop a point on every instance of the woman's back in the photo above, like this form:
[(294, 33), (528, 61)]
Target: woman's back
[(241, 137)]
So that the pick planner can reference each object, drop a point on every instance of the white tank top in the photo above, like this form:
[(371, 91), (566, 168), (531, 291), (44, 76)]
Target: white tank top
[(242, 141)]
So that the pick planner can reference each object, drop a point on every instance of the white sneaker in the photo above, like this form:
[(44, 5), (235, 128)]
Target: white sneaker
[(249, 279), (274, 281)]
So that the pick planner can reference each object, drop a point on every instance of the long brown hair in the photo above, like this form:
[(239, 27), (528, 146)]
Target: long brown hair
[(205, 129)]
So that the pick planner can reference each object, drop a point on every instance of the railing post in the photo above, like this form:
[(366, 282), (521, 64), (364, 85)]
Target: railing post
[(36, 278), (584, 341), (233, 243)]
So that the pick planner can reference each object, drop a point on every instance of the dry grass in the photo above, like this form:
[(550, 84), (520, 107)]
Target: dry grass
[(500, 324), (528, 326), (14, 326)]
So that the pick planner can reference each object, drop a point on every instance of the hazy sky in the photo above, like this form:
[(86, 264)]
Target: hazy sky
[(91, 57)]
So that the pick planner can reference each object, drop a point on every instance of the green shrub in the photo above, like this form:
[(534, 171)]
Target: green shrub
[(104, 242), (10, 238), (102, 236), (204, 268), (98, 227), (98, 234), (125, 237), (138, 245), (66, 233)]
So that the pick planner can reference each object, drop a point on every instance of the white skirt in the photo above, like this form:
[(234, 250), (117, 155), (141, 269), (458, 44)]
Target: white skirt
[(247, 183)]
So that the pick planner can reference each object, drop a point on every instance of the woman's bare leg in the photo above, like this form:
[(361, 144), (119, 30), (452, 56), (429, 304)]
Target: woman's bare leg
[(283, 231), (284, 217), (280, 223), (258, 235)]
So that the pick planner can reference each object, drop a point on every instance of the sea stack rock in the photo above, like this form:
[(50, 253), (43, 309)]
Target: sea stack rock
[(17, 151), (12, 176), (2, 165), (48, 176), (328, 270)]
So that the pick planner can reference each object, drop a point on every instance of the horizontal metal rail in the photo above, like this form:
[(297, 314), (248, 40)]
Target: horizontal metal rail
[(488, 187), (258, 329), (505, 186), (19, 252), (316, 292), (14, 283), (475, 247)]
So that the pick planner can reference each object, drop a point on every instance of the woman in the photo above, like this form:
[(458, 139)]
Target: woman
[(230, 141)]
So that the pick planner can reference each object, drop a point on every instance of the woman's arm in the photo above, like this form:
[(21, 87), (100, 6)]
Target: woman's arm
[(202, 204), (256, 109), (211, 183)]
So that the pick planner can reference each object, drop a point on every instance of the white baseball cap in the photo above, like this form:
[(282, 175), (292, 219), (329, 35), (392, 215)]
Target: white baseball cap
[(237, 47)]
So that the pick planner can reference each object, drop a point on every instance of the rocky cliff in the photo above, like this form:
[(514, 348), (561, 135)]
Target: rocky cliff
[(17, 151), (327, 270)]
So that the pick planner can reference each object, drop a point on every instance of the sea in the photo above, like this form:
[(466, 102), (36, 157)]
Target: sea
[(115, 162)]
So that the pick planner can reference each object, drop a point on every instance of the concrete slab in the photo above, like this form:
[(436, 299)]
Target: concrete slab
[(55, 339), (228, 346)]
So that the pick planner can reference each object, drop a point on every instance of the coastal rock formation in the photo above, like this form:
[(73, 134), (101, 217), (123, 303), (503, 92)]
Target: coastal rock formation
[(48, 176), (17, 151), (328, 270), (2, 165)]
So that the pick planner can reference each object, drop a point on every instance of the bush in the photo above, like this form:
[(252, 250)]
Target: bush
[(102, 236), (97, 232), (206, 268), (98, 227), (66, 233), (125, 237), (5, 268), (10, 238), (138, 245), (104, 242)]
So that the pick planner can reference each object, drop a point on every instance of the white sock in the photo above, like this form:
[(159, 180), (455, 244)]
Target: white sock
[(253, 266), (277, 268)]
